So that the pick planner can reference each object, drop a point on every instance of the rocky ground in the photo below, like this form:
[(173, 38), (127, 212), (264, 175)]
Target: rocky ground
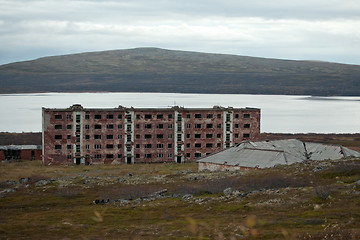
[(311, 200)]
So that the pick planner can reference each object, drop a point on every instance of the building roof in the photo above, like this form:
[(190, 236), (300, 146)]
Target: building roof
[(20, 147), (78, 107), (267, 154)]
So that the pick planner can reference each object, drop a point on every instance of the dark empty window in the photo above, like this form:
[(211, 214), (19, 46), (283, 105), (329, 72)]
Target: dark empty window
[(148, 155), (209, 135), (148, 145), (137, 155), (160, 126), (188, 145), (109, 146), (147, 136), (109, 136), (137, 116), (119, 155), (109, 155), (219, 115), (120, 126), (170, 116), (147, 126), (209, 125), (197, 115), (68, 147), (160, 136), (87, 116), (58, 126), (198, 135), (87, 137), (147, 116), (209, 115), (218, 135), (188, 116), (97, 126), (198, 145), (159, 145), (209, 145), (247, 125), (119, 116), (110, 126), (246, 135), (246, 115), (197, 125), (169, 145), (58, 136), (236, 135), (97, 136), (179, 117), (68, 126), (227, 117), (57, 147), (197, 155), (236, 125), (237, 115), (119, 146), (97, 116), (58, 116), (159, 116)]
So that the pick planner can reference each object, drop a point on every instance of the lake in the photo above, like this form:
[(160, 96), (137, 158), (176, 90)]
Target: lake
[(279, 113)]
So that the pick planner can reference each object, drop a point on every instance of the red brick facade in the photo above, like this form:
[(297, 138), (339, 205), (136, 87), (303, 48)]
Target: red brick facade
[(128, 135)]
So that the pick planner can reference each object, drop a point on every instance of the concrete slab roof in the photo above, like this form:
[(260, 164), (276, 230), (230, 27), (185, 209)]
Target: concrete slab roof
[(267, 154)]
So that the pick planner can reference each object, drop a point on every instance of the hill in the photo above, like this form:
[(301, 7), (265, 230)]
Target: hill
[(159, 70)]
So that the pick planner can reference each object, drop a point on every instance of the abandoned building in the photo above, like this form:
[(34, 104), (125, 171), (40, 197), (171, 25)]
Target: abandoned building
[(78, 135), (20, 152), (266, 154)]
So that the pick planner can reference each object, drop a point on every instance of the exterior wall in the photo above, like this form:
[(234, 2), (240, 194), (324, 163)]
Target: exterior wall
[(24, 154), (213, 167), (126, 135)]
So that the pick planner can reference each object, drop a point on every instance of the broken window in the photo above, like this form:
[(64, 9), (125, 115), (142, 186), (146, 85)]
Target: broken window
[(137, 126), (68, 136), (128, 138), (119, 155), (198, 145), (109, 155), (179, 147), (110, 126), (128, 117), (109, 137), (179, 127), (87, 127), (246, 135), (97, 126), (170, 126), (137, 155), (69, 157), (170, 155), (209, 135), (58, 136), (148, 116), (128, 128), (197, 135), (188, 136), (109, 146), (87, 116), (87, 137), (236, 135), (97, 116), (209, 145), (148, 145), (188, 145), (147, 126), (209, 125), (169, 145), (188, 155), (120, 146), (97, 136), (197, 155), (58, 116), (160, 136), (137, 136), (120, 126), (170, 116), (198, 125), (137, 146), (218, 135), (236, 125), (209, 115), (218, 145), (147, 136), (219, 125), (137, 116), (159, 116), (160, 126)]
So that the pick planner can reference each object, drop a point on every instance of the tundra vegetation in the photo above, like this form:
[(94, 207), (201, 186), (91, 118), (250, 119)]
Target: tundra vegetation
[(310, 200)]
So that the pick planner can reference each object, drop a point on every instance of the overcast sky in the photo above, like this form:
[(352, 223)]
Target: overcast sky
[(326, 30)]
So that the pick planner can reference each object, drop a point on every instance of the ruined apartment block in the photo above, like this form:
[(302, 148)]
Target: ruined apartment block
[(78, 135)]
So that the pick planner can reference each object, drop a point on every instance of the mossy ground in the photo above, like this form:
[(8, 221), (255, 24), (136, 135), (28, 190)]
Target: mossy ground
[(285, 206)]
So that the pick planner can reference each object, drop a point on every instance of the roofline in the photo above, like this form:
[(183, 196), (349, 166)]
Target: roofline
[(78, 107)]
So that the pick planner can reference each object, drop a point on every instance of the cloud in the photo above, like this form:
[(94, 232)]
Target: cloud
[(317, 29)]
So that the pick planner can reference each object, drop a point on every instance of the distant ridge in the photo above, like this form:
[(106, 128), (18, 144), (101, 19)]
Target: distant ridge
[(160, 70)]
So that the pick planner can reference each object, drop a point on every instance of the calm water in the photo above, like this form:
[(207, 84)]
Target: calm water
[(285, 114)]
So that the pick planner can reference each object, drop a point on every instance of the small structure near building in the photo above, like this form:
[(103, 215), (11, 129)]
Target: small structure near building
[(20, 152), (266, 154)]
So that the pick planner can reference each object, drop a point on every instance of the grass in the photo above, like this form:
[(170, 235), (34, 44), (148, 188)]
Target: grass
[(285, 206)]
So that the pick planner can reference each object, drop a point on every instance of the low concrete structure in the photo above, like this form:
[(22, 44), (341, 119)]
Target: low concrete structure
[(23, 152), (266, 154)]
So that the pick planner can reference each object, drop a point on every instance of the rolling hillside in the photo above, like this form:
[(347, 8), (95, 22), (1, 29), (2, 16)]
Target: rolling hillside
[(159, 70)]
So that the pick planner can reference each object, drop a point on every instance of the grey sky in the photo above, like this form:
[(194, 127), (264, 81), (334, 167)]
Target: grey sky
[(326, 30)]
